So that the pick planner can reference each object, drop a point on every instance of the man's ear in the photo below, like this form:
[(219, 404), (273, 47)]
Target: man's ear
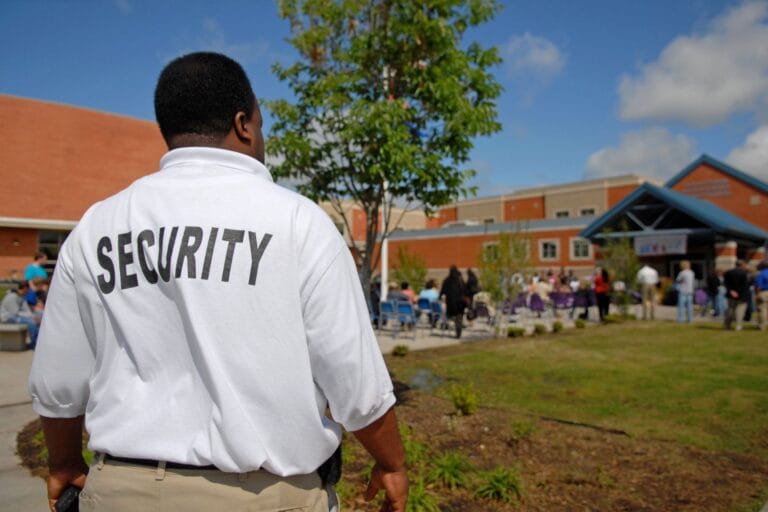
[(242, 129)]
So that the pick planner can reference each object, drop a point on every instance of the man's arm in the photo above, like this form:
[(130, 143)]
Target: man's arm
[(64, 439), (382, 440)]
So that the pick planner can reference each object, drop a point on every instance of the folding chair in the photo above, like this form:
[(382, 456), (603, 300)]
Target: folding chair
[(437, 316), (406, 315), (424, 309), (387, 313), (482, 311), (537, 305)]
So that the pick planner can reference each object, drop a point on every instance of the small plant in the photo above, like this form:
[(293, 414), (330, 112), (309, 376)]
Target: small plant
[(539, 329), (400, 350), (580, 323), (521, 430), (501, 484), (515, 332), (419, 500), (464, 399), (557, 326), (415, 452), (450, 471), (613, 319)]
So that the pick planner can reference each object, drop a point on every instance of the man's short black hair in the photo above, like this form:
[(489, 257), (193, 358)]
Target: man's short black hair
[(199, 94)]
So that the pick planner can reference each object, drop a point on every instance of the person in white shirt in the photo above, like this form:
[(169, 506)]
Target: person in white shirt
[(202, 321), (648, 278), (685, 283)]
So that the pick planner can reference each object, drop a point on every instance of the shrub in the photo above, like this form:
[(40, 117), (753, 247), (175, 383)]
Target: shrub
[(539, 329), (419, 500), (557, 326), (521, 430), (464, 399), (501, 484), (580, 323), (515, 332), (400, 350), (450, 471), (415, 452), (613, 319)]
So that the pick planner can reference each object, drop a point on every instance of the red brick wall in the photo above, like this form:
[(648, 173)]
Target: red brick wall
[(524, 209), (443, 216), (711, 184), (58, 160), (616, 194), (465, 251), (17, 249)]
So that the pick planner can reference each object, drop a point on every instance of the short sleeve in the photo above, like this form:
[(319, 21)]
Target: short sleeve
[(64, 357), (347, 364)]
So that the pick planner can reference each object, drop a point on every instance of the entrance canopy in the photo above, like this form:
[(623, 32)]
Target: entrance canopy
[(652, 211)]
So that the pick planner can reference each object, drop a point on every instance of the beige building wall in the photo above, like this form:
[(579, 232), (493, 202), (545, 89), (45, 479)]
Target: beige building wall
[(573, 202), (481, 209)]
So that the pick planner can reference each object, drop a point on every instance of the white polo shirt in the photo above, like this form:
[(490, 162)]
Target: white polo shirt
[(205, 315)]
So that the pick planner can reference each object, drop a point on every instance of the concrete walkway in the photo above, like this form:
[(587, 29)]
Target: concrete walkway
[(19, 491)]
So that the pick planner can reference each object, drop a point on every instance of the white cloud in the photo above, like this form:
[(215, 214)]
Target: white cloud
[(531, 62), (653, 153), (213, 38), (703, 79), (752, 156), (125, 6), (529, 54)]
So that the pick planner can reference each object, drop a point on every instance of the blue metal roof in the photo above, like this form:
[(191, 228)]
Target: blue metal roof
[(489, 229), (727, 169), (717, 219)]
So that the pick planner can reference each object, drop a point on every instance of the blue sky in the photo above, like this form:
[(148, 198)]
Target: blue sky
[(592, 88)]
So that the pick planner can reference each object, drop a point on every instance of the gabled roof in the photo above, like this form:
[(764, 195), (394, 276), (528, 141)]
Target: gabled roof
[(727, 169), (713, 217)]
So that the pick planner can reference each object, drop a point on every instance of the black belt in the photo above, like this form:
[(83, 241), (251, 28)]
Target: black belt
[(155, 463)]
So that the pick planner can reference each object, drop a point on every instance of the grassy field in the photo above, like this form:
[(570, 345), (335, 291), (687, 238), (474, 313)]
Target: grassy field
[(693, 384)]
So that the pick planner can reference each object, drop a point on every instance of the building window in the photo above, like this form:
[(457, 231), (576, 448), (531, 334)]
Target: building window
[(50, 243), (581, 249), (562, 214), (549, 249), (587, 212), (489, 220)]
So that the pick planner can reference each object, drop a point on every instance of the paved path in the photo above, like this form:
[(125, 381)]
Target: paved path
[(19, 491)]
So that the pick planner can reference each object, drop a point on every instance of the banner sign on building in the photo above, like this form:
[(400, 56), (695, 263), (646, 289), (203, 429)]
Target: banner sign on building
[(659, 245)]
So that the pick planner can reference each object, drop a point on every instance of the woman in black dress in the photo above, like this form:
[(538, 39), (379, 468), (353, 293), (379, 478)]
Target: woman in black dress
[(454, 292)]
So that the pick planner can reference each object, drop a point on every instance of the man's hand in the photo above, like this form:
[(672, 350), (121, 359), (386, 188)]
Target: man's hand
[(395, 485), (64, 438), (382, 440), (60, 479)]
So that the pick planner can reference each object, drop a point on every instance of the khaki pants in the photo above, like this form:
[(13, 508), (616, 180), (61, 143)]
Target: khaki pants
[(649, 300), (119, 487), (762, 309), (735, 312)]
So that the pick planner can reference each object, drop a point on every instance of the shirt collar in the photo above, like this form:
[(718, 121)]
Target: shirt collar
[(214, 156)]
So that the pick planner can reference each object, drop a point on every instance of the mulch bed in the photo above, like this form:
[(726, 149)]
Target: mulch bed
[(564, 467)]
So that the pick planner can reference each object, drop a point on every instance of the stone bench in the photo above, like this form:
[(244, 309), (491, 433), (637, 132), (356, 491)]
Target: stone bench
[(13, 337)]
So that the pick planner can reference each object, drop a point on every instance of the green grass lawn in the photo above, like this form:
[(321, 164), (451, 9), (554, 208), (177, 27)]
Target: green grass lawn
[(694, 384)]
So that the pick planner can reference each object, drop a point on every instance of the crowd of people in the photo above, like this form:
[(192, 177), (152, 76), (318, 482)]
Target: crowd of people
[(733, 295), (24, 305), (455, 298)]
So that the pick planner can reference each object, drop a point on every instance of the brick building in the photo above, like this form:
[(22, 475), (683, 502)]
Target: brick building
[(56, 161), (52, 176)]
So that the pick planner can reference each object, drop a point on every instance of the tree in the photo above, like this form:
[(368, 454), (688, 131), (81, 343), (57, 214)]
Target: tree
[(410, 268), (387, 102), (503, 266), (618, 257)]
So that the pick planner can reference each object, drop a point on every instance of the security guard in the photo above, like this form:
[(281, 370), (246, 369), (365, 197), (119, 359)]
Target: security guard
[(202, 321)]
